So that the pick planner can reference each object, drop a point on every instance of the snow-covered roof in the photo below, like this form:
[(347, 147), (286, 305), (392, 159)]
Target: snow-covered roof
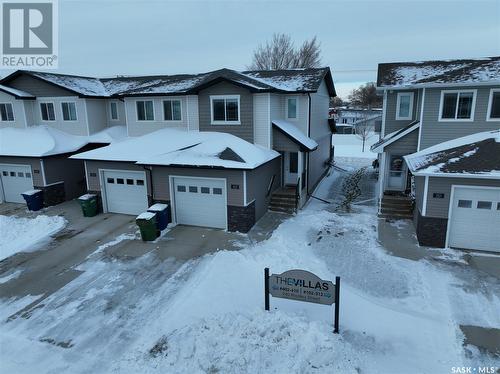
[(469, 71), (175, 147), (393, 136), (295, 134), (476, 154), (41, 141), (294, 80), (17, 93)]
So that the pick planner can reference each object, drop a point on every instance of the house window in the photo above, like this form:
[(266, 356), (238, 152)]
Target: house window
[(225, 110), (484, 205), (344, 120), (113, 109), (68, 111), (172, 110), (6, 112), (457, 105), (291, 108), (404, 105), (145, 110), (494, 105), (465, 203), (48, 112)]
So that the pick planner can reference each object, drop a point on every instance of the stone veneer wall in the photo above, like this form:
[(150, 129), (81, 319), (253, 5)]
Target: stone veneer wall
[(241, 218), (431, 231)]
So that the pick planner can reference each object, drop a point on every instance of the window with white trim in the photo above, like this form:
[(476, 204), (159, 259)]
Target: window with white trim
[(172, 110), (113, 110), (145, 110), (69, 111), (6, 112), (225, 110), (494, 105), (47, 111), (291, 107), (457, 105), (404, 106)]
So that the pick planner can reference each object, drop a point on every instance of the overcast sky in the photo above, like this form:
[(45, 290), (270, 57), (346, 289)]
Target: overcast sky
[(106, 38)]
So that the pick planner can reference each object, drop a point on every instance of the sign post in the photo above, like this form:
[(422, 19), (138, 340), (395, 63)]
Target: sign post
[(301, 285)]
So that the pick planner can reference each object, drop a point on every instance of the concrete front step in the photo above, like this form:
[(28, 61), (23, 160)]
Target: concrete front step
[(281, 209), (281, 205), (395, 216), (396, 211)]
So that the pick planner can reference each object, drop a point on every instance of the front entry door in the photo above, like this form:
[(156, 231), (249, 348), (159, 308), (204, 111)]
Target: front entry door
[(397, 172), (291, 161)]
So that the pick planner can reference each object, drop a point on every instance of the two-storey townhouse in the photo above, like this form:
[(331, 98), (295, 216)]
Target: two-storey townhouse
[(43, 121), (219, 147), (440, 130)]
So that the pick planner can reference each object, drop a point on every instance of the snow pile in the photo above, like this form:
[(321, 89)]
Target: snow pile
[(294, 132), (26, 234), (350, 145), (87, 86)]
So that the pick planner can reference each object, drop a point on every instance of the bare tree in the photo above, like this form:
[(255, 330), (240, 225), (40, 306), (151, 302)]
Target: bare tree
[(366, 96), (280, 53), (364, 129), (336, 102)]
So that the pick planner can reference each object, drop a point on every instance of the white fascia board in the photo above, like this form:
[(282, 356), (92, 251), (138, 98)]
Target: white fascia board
[(439, 85), (457, 175)]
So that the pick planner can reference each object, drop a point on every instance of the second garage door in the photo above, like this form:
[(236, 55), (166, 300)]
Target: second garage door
[(15, 180), (125, 191), (475, 219), (200, 202)]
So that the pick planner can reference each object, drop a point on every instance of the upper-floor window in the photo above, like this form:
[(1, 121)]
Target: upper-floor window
[(457, 105), (145, 110), (344, 120), (172, 110), (113, 110), (6, 112), (225, 110), (48, 112), (404, 106), (69, 111), (494, 105), (291, 107)]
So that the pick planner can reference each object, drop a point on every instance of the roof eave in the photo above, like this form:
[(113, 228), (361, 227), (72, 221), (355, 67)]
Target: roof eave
[(438, 85)]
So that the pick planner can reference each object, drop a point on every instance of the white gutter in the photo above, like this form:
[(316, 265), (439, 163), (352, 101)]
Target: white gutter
[(421, 119), (426, 190)]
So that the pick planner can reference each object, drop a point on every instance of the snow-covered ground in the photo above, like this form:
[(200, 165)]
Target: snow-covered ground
[(347, 146), (26, 234), (207, 315)]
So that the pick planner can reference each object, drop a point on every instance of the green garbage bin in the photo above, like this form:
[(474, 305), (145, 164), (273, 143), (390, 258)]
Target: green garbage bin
[(88, 202), (147, 225)]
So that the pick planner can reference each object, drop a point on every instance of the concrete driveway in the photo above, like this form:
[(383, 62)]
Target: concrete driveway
[(103, 237)]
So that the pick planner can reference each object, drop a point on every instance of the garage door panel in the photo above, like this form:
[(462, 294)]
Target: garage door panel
[(475, 219), (200, 202), (126, 192), (15, 180)]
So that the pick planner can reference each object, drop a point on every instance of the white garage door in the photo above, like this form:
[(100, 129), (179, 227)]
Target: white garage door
[(125, 191), (475, 219), (15, 179), (200, 202)]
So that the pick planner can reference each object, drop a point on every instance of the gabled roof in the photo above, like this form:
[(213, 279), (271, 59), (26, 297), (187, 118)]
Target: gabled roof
[(439, 72), (472, 155), (393, 136), (284, 81), (297, 136), (18, 94)]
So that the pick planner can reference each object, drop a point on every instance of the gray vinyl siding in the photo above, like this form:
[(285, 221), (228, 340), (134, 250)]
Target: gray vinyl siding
[(434, 132), (419, 192), (94, 166), (96, 114), (36, 168), (245, 129), (29, 108), (391, 124), (78, 127), (318, 161), (439, 207), (38, 87), (405, 145), (281, 142), (161, 185), (320, 101), (69, 171), (122, 119), (18, 110), (258, 181)]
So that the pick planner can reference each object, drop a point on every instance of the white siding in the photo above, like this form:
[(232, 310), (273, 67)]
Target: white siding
[(29, 108), (78, 127), (261, 120), (193, 115), (138, 128), (96, 114), (17, 108), (122, 120)]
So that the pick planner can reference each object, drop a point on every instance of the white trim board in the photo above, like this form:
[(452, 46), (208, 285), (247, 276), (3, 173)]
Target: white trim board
[(381, 147), (490, 103)]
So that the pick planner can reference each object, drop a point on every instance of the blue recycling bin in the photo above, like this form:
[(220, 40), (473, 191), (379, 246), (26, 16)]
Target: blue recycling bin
[(34, 199), (162, 215)]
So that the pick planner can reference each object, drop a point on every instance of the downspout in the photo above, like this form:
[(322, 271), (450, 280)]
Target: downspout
[(308, 135), (150, 169)]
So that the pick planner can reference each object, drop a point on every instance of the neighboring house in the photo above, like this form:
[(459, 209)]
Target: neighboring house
[(346, 119), (440, 129), (220, 147)]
